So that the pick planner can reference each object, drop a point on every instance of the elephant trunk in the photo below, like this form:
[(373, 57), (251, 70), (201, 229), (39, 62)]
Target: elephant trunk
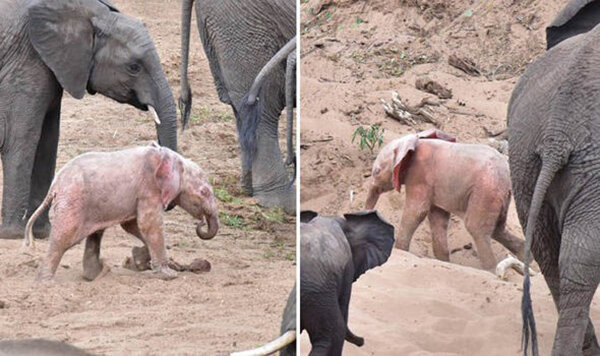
[(166, 125), (213, 227), (372, 197)]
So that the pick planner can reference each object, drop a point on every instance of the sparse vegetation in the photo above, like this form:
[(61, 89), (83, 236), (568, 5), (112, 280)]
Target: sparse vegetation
[(369, 137), (233, 221)]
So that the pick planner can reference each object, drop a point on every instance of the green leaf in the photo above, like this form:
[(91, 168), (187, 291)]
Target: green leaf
[(468, 13)]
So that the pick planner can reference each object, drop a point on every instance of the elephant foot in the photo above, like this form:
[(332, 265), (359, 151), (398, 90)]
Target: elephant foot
[(164, 272), (285, 200), (12, 232), (44, 276), (94, 269)]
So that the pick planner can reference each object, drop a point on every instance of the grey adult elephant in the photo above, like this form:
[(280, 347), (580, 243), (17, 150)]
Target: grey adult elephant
[(51, 45), (554, 122), (335, 252), (239, 38)]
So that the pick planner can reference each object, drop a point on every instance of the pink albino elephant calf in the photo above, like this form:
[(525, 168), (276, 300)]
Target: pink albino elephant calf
[(131, 187), (442, 177)]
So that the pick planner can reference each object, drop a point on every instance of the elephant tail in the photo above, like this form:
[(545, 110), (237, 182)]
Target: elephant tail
[(28, 239), (248, 119), (550, 166), (250, 111), (185, 95)]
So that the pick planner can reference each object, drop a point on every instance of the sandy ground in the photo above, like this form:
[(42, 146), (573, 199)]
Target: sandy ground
[(355, 53), (237, 305)]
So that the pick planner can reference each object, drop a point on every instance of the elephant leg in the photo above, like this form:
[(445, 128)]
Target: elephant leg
[(344, 303), (149, 223), (18, 156), (132, 228), (480, 220), (270, 179), (438, 222), (92, 265), (579, 272), (62, 237), (415, 211), (508, 240), (328, 342), (43, 169), (321, 317)]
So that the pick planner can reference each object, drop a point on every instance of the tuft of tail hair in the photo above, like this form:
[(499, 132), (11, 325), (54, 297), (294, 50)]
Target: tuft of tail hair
[(293, 180), (529, 330), (248, 119), (185, 107)]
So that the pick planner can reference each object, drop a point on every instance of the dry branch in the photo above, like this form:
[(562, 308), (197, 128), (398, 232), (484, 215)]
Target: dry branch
[(465, 64), (406, 114)]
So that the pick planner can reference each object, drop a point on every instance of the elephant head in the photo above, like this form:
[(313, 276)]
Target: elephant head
[(393, 161), (182, 182), (369, 236), (335, 252), (89, 45), (577, 17)]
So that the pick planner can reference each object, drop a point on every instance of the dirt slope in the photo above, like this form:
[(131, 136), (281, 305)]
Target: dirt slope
[(237, 305), (355, 53)]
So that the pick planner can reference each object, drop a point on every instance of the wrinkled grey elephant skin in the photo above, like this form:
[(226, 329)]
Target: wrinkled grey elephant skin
[(79, 45), (39, 347), (554, 123), (335, 252), (239, 38), (578, 16)]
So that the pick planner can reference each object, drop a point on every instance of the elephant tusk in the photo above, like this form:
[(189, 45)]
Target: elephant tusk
[(511, 262), (287, 338), (153, 111)]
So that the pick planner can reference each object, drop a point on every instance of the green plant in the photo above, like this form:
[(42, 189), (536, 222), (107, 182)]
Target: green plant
[(222, 194), (234, 221), (369, 137)]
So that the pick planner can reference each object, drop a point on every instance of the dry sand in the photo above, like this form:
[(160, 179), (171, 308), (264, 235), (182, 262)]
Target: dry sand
[(354, 53), (237, 305)]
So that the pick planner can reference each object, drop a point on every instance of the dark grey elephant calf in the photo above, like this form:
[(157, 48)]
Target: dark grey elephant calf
[(554, 156), (239, 38), (335, 252), (79, 45)]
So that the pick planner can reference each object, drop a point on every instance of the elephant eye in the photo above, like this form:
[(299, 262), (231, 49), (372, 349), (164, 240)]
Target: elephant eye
[(134, 68)]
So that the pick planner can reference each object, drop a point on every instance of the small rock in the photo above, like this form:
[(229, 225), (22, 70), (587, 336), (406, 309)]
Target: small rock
[(2, 304), (199, 265)]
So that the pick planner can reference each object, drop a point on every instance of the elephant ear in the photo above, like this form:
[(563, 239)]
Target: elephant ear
[(110, 5), (577, 17), (62, 34), (371, 239), (168, 176), (403, 152), (437, 134), (307, 215)]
